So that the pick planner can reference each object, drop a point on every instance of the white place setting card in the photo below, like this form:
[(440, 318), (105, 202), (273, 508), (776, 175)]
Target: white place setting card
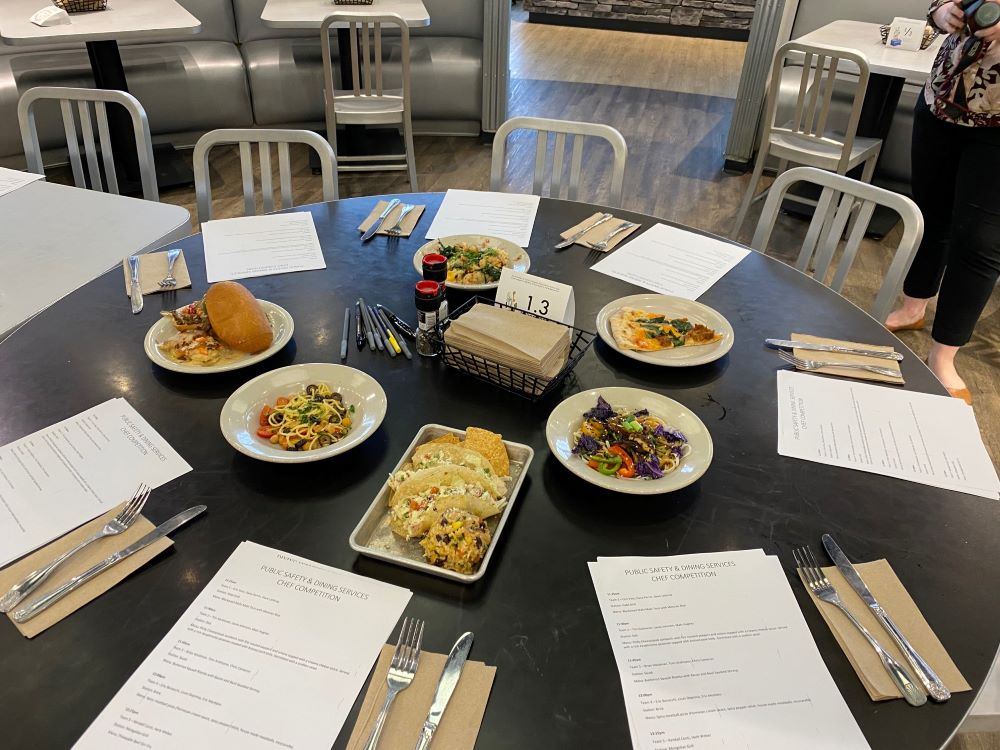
[(58, 478), (544, 297), (672, 261), (251, 246), (713, 653), (507, 216), (906, 33), (12, 179), (271, 654), (918, 437)]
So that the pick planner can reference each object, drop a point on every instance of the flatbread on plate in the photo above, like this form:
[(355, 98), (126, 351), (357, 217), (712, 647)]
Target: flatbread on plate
[(644, 331)]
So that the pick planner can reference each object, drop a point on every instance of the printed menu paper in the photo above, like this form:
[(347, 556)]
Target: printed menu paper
[(508, 216), (713, 653), (60, 477), (271, 654), (918, 437), (12, 179), (251, 246), (672, 261)]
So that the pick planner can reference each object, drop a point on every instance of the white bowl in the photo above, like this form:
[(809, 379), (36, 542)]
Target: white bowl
[(518, 259), (240, 415), (672, 307), (567, 417), (281, 323)]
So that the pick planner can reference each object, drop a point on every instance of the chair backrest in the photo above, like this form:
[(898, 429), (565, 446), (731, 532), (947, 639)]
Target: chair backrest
[(263, 138), (820, 66), (578, 132), (830, 219), (367, 81), (84, 98)]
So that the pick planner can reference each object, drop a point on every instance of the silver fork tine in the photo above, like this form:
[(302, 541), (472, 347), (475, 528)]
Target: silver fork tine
[(134, 507), (788, 358), (397, 656), (416, 648)]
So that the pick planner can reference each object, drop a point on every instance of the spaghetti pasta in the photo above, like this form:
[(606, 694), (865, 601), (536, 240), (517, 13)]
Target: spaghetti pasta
[(313, 418)]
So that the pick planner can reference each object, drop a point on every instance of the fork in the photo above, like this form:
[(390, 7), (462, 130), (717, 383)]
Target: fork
[(396, 229), (402, 668), (819, 584), (812, 364), (169, 281), (603, 244), (125, 518)]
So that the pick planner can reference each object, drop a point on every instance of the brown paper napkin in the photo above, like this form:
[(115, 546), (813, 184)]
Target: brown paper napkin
[(890, 593), (852, 358), (599, 233), (409, 223), (87, 558), (153, 269), (460, 724)]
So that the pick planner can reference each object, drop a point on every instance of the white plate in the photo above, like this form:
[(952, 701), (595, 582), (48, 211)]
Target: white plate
[(240, 415), (163, 329), (567, 417), (518, 259), (672, 307)]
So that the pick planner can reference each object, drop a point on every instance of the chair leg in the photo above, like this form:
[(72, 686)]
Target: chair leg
[(867, 172), (411, 160), (758, 170)]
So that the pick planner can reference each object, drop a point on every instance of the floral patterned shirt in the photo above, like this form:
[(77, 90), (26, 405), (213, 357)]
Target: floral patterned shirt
[(976, 90)]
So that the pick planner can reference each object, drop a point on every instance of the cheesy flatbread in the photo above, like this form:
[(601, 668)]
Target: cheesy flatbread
[(645, 331)]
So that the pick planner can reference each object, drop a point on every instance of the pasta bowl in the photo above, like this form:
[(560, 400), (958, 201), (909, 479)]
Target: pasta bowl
[(240, 416)]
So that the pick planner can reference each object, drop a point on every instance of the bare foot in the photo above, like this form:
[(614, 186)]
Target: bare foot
[(941, 360), (908, 313)]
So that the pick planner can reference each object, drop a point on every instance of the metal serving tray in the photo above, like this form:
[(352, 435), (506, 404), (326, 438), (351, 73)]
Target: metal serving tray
[(373, 537)]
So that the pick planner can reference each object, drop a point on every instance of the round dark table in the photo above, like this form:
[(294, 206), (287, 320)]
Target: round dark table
[(535, 613)]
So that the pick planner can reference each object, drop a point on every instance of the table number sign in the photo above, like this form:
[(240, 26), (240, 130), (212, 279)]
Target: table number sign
[(533, 294), (906, 33)]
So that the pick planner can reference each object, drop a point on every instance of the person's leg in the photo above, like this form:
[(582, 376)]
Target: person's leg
[(935, 153), (973, 263)]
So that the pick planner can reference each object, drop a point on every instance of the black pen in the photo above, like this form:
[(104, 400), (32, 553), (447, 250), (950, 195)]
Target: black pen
[(359, 325), (398, 322), (368, 326)]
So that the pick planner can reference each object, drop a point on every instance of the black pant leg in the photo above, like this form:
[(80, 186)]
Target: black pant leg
[(973, 263), (937, 146)]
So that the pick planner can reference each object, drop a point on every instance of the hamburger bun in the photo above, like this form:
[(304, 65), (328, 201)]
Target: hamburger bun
[(237, 318)]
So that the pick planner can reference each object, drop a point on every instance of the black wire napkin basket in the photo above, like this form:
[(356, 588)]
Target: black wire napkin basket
[(81, 6), (532, 387)]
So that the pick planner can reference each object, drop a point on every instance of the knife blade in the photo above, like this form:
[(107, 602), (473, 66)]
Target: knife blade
[(567, 242), (931, 682), (135, 288), (380, 220), (783, 344), (446, 686), (42, 603)]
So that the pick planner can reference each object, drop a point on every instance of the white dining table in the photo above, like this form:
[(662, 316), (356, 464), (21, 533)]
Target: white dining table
[(56, 238), (310, 14), (910, 65)]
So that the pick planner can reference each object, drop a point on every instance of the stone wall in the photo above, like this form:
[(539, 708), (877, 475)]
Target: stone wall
[(733, 15)]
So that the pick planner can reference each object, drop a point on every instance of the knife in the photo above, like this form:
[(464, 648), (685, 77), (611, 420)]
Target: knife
[(42, 603), (566, 243), (135, 288), (446, 686), (380, 220), (783, 344), (931, 682)]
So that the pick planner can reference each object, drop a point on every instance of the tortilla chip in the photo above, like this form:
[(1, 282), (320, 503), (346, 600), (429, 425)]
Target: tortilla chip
[(490, 446), (450, 439)]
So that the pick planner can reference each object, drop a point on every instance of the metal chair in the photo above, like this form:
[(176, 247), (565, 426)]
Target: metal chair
[(368, 101), (805, 139), (578, 132), (263, 138), (828, 225), (84, 98)]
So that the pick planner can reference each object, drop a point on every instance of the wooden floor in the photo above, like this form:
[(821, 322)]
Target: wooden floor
[(672, 99)]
